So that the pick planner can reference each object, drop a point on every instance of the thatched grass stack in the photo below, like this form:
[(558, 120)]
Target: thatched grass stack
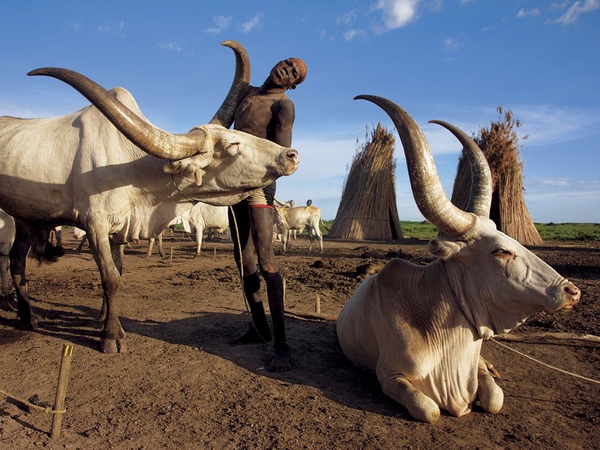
[(368, 207), (501, 147)]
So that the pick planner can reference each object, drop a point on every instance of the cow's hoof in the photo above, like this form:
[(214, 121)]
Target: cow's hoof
[(113, 346), (29, 326)]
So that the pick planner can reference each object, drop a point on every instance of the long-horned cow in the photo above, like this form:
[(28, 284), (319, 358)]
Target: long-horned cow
[(107, 170), (203, 217), (298, 218), (420, 328)]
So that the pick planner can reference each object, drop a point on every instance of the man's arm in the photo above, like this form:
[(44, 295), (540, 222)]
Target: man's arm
[(283, 117)]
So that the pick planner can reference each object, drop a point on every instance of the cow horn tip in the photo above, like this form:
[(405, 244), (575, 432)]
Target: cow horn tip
[(39, 71), (436, 121), (230, 43)]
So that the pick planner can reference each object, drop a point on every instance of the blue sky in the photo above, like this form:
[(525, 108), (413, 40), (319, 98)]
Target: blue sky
[(453, 60)]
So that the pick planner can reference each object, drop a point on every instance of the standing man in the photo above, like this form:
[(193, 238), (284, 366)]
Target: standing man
[(266, 112)]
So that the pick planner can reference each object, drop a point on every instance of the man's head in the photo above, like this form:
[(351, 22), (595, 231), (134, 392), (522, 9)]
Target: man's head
[(289, 73)]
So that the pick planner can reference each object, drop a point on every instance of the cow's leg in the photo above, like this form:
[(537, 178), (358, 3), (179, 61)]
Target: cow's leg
[(108, 259), (319, 236), (150, 247), (401, 390), (161, 250), (18, 261), (285, 239), (491, 396), (199, 233), (81, 243), (311, 240), (4, 263)]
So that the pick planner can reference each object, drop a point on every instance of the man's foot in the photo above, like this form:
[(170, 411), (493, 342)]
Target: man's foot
[(282, 359), (252, 336)]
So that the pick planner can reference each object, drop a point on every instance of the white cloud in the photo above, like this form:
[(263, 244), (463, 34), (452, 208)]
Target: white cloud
[(560, 182), (532, 12), (346, 19), (221, 23), (354, 33), (454, 42), (545, 124), (118, 30), (397, 13), (253, 24), (578, 8), (171, 46)]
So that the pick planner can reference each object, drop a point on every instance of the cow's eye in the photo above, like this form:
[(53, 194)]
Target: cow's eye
[(503, 253)]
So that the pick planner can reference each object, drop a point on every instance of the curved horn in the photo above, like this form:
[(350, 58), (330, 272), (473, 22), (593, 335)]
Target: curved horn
[(425, 182), (224, 116), (149, 138), (480, 198)]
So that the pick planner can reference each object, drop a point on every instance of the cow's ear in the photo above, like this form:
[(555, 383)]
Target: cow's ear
[(444, 248), (189, 167)]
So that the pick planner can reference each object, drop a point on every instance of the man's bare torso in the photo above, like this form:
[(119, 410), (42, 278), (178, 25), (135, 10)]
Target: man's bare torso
[(259, 113)]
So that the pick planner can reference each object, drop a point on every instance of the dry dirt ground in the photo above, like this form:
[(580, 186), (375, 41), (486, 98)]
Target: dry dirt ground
[(182, 386)]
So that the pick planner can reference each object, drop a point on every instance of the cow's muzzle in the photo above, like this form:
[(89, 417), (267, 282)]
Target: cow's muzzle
[(571, 294), (291, 159)]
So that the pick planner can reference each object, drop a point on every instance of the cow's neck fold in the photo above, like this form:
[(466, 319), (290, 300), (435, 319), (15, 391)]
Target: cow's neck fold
[(461, 304), (181, 193)]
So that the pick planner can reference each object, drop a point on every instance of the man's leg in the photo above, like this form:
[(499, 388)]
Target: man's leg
[(240, 233), (261, 219)]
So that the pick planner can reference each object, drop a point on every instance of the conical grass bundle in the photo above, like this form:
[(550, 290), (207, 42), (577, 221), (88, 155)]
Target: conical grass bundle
[(501, 147), (368, 209)]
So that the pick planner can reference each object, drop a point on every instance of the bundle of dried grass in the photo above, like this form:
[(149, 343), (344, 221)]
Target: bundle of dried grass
[(368, 208), (501, 147)]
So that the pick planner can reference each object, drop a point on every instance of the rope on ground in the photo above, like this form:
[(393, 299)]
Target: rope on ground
[(544, 364)]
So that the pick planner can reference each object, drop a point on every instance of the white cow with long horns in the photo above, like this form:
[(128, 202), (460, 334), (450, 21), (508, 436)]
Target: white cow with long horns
[(420, 328), (107, 170)]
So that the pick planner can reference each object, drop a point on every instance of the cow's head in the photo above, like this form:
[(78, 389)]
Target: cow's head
[(214, 164), (490, 265), (230, 165)]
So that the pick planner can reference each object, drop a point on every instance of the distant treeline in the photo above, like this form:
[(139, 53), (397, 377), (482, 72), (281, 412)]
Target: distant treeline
[(548, 231)]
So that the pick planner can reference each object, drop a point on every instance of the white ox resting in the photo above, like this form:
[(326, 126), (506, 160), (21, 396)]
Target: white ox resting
[(107, 170), (297, 219), (7, 237), (420, 328), (203, 217)]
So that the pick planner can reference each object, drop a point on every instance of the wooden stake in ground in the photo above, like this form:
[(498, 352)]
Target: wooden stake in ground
[(61, 391)]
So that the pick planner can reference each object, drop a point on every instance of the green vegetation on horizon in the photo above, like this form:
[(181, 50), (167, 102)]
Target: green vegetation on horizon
[(548, 231)]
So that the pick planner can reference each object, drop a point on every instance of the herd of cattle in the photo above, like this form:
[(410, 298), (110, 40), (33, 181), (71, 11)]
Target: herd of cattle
[(419, 328)]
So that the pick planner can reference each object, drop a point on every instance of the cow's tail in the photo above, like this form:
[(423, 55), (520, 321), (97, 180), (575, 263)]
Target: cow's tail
[(45, 252), (323, 224)]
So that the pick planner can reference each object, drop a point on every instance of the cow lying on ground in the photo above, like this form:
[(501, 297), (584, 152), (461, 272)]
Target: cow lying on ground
[(420, 328), (7, 237), (120, 178), (297, 219)]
